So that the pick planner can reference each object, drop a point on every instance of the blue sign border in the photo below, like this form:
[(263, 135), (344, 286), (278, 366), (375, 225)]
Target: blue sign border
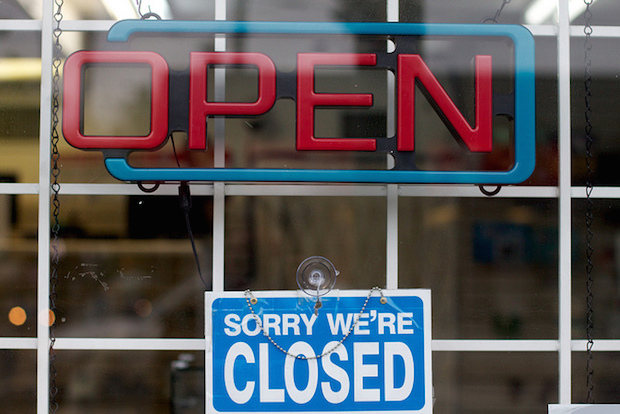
[(236, 301), (525, 143)]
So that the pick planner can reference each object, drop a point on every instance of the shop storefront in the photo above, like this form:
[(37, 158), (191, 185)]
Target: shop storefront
[(435, 149)]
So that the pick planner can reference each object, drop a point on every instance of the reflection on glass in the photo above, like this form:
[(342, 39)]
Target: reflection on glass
[(271, 236), (606, 259), (127, 267), (20, 78), (494, 382), (604, 105), (491, 265), (18, 381), (606, 366), (131, 381), (18, 272)]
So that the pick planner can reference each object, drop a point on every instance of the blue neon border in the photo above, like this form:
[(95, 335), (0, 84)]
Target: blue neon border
[(525, 143)]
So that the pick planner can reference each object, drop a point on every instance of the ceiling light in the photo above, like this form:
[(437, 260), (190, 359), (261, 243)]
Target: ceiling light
[(20, 69), (32, 7), (545, 11), (120, 9), (540, 11)]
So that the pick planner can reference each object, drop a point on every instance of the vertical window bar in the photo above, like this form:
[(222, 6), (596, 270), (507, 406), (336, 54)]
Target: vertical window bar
[(392, 189), (43, 274), (565, 200), (219, 189)]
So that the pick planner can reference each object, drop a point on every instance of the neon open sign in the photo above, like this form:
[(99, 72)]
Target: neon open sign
[(410, 70)]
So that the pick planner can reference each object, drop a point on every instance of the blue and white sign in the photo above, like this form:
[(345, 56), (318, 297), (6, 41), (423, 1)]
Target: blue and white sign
[(274, 356)]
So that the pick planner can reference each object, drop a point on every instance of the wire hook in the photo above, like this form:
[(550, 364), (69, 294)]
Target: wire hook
[(156, 185), (147, 15), (490, 193)]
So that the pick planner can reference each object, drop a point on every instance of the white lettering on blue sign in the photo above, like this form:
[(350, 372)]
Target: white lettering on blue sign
[(382, 365)]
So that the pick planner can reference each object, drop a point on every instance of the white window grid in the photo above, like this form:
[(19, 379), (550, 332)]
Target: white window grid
[(564, 345)]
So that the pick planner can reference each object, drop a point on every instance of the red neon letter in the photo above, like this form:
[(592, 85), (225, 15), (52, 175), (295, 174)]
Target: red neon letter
[(72, 127), (200, 109), (412, 68), (307, 100)]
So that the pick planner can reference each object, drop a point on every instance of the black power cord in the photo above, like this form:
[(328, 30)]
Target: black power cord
[(186, 206)]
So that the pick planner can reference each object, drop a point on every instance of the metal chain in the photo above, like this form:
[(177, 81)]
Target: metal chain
[(589, 203), (495, 19), (55, 187), (250, 299)]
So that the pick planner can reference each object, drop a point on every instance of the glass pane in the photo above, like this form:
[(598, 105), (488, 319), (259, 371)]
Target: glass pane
[(606, 260), (16, 9), (494, 382), (149, 382), (434, 11), (20, 79), (18, 382), (128, 269), (467, 11), (268, 237), (606, 367), (604, 13), (299, 10), (18, 273), (546, 170), (491, 265), (604, 105)]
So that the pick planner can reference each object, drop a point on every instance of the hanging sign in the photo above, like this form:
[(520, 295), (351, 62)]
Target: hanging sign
[(279, 354), (180, 99)]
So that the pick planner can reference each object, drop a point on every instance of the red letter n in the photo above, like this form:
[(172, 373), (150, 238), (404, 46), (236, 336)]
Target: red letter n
[(412, 69)]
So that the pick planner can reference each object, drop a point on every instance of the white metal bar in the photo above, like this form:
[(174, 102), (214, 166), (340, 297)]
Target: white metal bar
[(18, 188), (131, 189), (542, 30), (219, 189), (219, 92), (575, 31), (564, 114), (313, 190), (602, 345), (86, 25), (494, 345), (104, 25), (43, 256), (421, 190), (392, 238), (195, 344), (306, 190), (597, 192), (18, 343), (20, 25), (598, 31), (131, 344), (218, 236), (391, 245)]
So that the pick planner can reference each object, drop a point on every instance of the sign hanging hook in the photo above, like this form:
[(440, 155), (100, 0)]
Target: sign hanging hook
[(147, 15)]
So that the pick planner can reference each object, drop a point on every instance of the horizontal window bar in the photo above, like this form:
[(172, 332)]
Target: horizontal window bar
[(19, 188), (179, 344)]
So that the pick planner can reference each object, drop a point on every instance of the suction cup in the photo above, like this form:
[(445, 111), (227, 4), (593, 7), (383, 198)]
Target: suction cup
[(316, 276)]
